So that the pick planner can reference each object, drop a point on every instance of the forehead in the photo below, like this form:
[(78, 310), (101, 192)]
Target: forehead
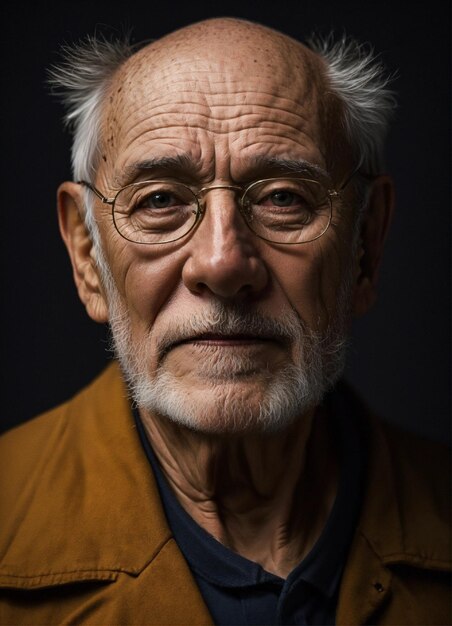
[(200, 92)]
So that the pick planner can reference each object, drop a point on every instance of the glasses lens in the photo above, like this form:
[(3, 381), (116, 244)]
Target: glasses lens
[(155, 212), (292, 210)]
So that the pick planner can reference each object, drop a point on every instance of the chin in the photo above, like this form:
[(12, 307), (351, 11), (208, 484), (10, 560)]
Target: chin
[(229, 407)]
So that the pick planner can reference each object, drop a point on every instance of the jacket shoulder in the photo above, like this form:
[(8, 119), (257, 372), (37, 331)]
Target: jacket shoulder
[(33, 449), (23, 450), (421, 474), (22, 447)]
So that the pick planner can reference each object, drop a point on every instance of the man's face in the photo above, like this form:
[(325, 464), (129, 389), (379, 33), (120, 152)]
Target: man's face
[(222, 318)]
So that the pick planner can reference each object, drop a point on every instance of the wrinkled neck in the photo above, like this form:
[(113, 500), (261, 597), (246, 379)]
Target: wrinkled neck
[(265, 496)]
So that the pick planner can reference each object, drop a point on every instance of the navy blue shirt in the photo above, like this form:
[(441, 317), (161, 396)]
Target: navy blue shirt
[(238, 591)]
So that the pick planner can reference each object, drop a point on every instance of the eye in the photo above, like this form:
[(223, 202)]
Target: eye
[(284, 198), (287, 195), (156, 198), (159, 200)]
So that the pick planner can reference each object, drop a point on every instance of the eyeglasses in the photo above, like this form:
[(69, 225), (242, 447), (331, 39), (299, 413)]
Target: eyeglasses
[(279, 210)]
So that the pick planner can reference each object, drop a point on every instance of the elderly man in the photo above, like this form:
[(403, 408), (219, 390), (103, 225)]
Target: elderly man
[(227, 220)]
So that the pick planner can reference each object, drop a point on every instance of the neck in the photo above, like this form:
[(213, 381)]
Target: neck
[(265, 496)]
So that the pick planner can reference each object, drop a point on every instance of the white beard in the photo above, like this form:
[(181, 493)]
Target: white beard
[(278, 398)]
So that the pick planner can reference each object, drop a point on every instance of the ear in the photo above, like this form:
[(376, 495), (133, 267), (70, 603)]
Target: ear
[(374, 229), (71, 211)]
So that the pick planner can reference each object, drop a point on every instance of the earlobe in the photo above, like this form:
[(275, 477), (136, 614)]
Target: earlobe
[(374, 229), (80, 248)]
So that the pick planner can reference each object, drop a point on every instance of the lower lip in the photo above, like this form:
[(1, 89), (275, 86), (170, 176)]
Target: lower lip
[(228, 342)]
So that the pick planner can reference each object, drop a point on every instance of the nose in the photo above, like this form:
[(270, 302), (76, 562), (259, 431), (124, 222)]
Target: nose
[(224, 258)]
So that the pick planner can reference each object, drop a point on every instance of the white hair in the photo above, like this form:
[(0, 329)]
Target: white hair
[(82, 80), (361, 82)]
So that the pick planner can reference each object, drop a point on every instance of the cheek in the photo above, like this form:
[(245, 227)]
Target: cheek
[(149, 285), (311, 280), (145, 278)]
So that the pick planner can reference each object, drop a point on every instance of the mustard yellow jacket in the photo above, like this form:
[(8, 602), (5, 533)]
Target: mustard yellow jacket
[(84, 539)]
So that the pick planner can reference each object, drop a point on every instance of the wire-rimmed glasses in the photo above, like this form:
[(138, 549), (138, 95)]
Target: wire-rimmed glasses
[(279, 210)]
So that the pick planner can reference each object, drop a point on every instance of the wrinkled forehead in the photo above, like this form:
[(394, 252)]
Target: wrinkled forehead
[(223, 61)]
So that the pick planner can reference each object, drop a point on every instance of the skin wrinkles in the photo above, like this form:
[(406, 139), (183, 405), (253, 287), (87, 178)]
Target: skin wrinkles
[(236, 516), (244, 489), (195, 134), (235, 117), (248, 121)]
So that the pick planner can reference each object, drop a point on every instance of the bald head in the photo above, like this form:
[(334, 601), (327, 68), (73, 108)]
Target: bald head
[(240, 81), (234, 39)]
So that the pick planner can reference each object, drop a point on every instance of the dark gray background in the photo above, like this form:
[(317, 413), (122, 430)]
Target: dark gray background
[(400, 356)]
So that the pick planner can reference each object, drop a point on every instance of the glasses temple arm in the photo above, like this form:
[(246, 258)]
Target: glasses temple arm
[(101, 197)]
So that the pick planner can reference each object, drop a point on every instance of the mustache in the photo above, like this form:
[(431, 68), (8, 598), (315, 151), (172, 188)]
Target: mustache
[(230, 320)]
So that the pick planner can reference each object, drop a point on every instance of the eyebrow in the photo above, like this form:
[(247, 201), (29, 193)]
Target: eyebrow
[(290, 166), (180, 164), (184, 167)]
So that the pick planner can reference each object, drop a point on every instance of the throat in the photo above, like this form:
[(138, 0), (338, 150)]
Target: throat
[(261, 496)]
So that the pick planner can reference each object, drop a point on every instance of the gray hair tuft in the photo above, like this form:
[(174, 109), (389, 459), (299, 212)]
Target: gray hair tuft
[(81, 80), (361, 83)]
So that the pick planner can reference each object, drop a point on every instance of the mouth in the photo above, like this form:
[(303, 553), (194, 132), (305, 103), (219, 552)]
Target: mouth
[(220, 340), (216, 339)]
